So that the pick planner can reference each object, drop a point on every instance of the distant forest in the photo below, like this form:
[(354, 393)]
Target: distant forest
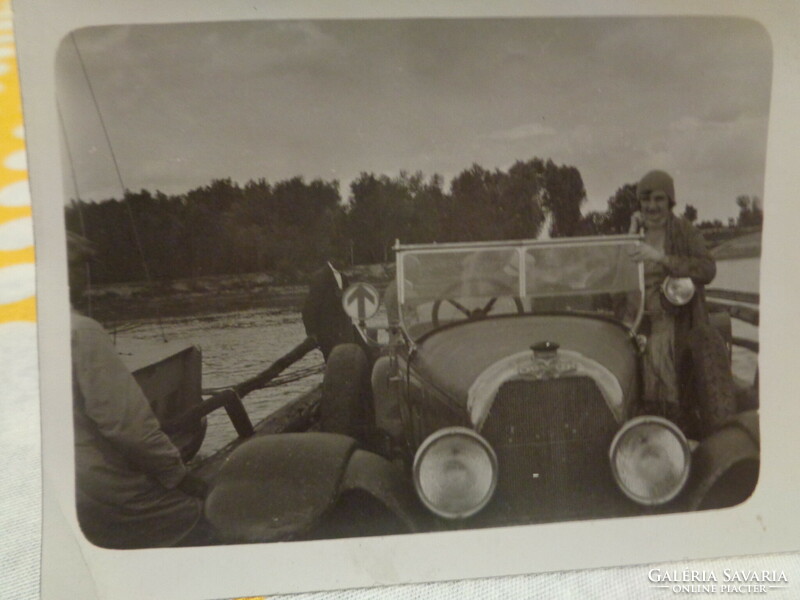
[(291, 227)]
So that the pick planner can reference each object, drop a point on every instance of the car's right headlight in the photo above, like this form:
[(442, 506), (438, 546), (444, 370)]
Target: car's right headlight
[(650, 460), (455, 472)]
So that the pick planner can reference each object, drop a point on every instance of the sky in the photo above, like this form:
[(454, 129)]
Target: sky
[(180, 105)]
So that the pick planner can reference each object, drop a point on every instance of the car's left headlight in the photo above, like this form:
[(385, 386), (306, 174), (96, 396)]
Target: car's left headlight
[(650, 459), (455, 472)]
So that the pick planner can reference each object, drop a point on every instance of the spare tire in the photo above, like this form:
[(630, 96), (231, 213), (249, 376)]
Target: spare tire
[(345, 405), (713, 381)]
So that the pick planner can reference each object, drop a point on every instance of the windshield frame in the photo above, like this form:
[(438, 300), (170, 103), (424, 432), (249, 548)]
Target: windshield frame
[(520, 247)]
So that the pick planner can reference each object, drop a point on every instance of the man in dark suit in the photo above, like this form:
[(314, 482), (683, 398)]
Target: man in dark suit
[(323, 315)]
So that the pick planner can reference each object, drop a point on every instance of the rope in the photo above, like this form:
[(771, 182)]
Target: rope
[(128, 327), (77, 204), (136, 239), (291, 377)]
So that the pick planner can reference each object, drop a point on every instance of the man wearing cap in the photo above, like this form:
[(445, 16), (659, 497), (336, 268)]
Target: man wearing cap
[(681, 344), (132, 488)]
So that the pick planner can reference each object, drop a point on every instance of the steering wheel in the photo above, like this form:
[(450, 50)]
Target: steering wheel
[(495, 287)]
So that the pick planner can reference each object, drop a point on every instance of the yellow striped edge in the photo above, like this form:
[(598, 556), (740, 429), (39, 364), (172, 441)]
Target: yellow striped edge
[(12, 145), (22, 310), (9, 213), (16, 257)]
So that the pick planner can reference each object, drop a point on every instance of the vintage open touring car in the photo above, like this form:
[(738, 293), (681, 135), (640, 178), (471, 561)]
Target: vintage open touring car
[(510, 392)]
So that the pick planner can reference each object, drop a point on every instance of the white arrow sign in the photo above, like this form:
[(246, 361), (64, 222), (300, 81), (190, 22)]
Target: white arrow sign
[(360, 301)]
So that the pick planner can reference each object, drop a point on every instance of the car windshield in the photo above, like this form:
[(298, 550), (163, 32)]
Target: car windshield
[(440, 284)]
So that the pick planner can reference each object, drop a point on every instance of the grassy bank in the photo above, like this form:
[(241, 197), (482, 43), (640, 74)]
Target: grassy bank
[(116, 303)]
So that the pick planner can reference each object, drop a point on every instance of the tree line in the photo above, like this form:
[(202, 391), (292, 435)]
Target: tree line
[(616, 218), (290, 227)]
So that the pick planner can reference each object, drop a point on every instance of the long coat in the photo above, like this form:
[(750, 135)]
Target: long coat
[(127, 470), (695, 340), (323, 315), (688, 256)]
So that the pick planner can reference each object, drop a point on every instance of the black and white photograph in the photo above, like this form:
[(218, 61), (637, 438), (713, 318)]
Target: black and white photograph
[(406, 279), (560, 217)]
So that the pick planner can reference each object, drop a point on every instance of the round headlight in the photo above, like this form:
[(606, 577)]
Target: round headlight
[(650, 460), (455, 472), (678, 290)]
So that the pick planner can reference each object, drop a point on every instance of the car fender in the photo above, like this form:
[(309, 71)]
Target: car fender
[(278, 487), (725, 465), (389, 485)]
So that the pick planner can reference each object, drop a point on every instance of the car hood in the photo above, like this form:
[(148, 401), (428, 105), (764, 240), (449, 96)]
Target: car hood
[(452, 358)]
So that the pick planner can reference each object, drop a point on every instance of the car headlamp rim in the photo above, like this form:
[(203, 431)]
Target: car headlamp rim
[(678, 291), (424, 450), (673, 429)]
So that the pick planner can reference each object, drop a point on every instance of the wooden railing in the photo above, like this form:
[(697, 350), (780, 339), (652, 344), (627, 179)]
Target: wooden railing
[(231, 398), (739, 305), (746, 297)]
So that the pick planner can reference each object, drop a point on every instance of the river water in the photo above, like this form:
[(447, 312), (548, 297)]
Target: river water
[(740, 274), (238, 345), (235, 346)]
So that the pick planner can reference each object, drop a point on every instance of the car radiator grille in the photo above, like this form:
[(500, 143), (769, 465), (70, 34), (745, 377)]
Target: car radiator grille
[(552, 439)]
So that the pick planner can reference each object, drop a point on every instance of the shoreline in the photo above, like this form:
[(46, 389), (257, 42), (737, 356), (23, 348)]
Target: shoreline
[(114, 304), (115, 310)]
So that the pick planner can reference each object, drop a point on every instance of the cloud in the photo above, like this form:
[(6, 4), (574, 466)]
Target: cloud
[(613, 97), (521, 132)]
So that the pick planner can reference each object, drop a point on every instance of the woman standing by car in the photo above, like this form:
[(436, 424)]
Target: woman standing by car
[(686, 368)]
